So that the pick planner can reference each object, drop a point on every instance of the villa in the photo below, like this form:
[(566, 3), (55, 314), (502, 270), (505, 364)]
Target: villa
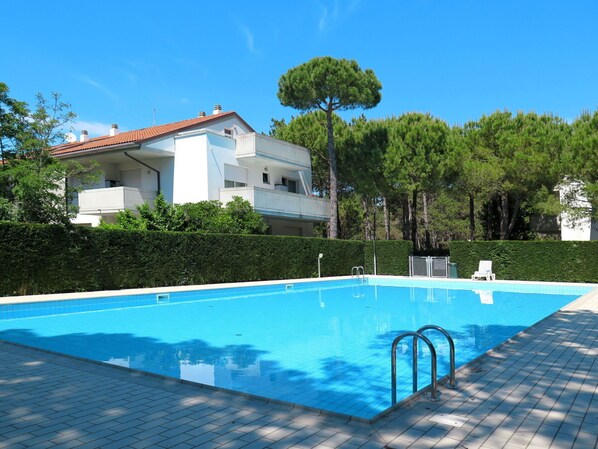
[(210, 157)]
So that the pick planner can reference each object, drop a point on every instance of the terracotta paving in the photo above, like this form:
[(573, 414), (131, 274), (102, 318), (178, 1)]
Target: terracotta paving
[(538, 390)]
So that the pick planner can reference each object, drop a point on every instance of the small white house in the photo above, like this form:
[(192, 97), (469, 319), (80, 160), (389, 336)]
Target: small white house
[(581, 226), (211, 157)]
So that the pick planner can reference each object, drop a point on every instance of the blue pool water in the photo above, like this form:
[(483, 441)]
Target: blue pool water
[(323, 344)]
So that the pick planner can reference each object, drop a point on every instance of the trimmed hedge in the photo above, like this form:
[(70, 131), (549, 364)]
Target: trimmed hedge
[(562, 261), (54, 259), (392, 257)]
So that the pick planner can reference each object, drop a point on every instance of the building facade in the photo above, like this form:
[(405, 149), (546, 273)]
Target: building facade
[(211, 157)]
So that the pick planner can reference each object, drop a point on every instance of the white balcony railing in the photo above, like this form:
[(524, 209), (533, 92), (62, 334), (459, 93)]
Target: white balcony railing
[(276, 203), (259, 146), (112, 200)]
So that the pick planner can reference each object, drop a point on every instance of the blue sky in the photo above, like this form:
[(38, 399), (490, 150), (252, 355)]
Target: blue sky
[(117, 61)]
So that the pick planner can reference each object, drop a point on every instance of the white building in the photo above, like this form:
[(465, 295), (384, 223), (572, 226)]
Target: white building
[(580, 226), (214, 157)]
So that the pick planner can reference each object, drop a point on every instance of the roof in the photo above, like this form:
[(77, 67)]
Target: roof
[(140, 135)]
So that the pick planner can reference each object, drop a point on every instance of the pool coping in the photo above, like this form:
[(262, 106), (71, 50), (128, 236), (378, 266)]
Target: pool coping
[(414, 397), (7, 300)]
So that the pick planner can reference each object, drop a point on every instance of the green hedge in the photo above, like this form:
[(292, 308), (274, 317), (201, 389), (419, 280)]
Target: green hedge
[(55, 259), (530, 260), (52, 259), (392, 257)]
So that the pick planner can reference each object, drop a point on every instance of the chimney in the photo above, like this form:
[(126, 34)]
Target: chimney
[(84, 136), (114, 130), (202, 114), (217, 109)]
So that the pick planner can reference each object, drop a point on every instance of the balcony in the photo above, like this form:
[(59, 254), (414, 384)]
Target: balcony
[(267, 150), (113, 199), (276, 203)]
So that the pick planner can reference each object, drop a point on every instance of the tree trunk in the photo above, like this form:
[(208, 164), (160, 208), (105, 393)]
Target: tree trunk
[(413, 219), (406, 220), (367, 225), (504, 216), (333, 220), (386, 219), (489, 219), (427, 243), (471, 218), (3, 163), (514, 215)]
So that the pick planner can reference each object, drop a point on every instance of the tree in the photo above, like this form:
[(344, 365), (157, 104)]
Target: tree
[(310, 131), (528, 149), (581, 162), (415, 161), (329, 84), (32, 183), (365, 159), (13, 120), (475, 169)]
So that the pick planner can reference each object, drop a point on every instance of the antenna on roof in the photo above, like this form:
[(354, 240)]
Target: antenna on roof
[(154, 121)]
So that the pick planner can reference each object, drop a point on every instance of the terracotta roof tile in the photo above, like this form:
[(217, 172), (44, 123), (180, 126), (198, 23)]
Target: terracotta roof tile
[(138, 135)]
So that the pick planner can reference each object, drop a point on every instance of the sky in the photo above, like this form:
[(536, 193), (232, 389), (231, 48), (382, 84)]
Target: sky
[(139, 63)]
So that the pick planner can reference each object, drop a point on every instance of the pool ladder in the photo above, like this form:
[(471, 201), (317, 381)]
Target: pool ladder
[(418, 335), (359, 273)]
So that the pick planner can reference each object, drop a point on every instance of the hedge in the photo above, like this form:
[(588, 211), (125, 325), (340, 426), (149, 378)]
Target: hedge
[(392, 257), (54, 259), (562, 261)]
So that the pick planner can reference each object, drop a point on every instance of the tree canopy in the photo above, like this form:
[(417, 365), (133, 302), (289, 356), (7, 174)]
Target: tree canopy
[(32, 182), (330, 85)]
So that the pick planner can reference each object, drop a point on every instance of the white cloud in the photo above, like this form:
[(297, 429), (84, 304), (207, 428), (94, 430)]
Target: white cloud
[(336, 12), (100, 87), (249, 39)]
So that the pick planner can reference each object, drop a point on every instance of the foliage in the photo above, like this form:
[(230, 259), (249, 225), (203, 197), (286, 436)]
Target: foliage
[(32, 183), (416, 161), (530, 261), (329, 84), (310, 131), (13, 121), (53, 259), (392, 257), (581, 161), (237, 217), (527, 149)]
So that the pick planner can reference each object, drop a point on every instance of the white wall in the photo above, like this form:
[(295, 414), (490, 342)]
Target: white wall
[(220, 151), (190, 179)]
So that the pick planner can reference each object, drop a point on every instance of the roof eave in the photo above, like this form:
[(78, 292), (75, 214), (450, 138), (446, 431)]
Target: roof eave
[(117, 147)]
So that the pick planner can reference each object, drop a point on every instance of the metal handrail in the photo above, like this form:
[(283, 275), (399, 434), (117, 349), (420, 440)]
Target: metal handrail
[(393, 362), (452, 382), (357, 272)]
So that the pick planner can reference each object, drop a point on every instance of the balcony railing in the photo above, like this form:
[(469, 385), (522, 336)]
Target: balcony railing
[(113, 199), (276, 203), (272, 150)]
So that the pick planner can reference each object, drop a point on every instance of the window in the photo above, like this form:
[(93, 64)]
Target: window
[(229, 183), (266, 178), (291, 185), (228, 132), (234, 176)]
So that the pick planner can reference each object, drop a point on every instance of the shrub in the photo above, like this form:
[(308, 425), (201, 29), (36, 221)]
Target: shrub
[(561, 261)]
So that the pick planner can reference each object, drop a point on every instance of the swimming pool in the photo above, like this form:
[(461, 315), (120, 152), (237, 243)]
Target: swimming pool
[(323, 344)]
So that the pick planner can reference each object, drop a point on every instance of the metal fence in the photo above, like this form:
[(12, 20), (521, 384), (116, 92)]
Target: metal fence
[(436, 267)]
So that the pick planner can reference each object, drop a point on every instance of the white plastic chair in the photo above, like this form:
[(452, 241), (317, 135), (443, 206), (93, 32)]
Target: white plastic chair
[(484, 271)]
